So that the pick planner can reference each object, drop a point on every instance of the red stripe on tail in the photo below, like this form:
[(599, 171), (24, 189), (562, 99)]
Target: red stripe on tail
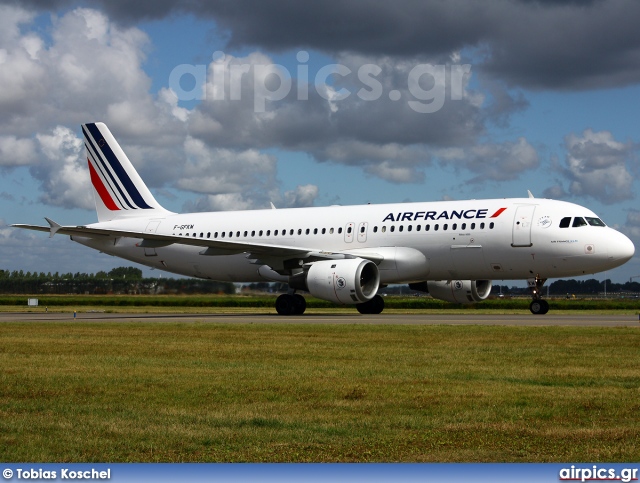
[(101, 189)]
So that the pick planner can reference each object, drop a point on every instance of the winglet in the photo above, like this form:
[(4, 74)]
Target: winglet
[(273, 207), (54, 227), (530, 194)]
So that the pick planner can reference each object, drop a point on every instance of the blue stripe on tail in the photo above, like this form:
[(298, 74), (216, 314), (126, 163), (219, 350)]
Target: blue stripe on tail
[(120, 172)]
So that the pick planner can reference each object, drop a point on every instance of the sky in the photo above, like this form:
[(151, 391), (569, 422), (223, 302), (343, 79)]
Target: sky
[(233, 105)]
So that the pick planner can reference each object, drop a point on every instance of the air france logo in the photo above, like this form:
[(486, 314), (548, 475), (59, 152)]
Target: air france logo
[(442, 215), (341, 282)]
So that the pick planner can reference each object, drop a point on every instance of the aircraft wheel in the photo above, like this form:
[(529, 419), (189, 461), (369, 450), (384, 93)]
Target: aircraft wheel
[(363, 308), (373, 306), (545, 306), (539, 307), (285, 304), (377, 304), (300, 304)]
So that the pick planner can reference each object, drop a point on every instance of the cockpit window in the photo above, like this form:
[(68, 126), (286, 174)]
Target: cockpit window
[(578, 221), (595, 221), (565, 222)]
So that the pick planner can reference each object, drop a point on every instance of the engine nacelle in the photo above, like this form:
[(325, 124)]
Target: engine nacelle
[(349, 281), (460, 291)]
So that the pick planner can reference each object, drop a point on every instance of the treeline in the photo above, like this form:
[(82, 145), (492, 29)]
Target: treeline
[(121, 280), (129, 280), (573, 287)]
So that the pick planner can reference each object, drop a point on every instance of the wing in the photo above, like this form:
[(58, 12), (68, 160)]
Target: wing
[(276, 256)]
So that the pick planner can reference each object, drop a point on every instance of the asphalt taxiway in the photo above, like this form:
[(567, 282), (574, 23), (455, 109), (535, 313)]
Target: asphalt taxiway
[(578, 320)]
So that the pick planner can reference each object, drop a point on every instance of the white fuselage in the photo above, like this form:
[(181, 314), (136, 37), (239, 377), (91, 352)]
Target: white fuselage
[(478, 239)]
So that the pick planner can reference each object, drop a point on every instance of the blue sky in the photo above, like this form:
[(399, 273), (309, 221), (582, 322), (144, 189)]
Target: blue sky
[(557, 116)]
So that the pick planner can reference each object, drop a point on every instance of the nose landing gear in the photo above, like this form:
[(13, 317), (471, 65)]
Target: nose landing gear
[(538, 306)]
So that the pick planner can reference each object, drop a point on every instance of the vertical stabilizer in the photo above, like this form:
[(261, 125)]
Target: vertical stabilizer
[(118, 189)]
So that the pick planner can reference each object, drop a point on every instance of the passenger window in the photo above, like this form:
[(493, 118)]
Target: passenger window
[(315, 231), (362, 229), (427, 227), (454, 226), (375, 229), (299, 231), (401, 228), (340, 231), (275, 233), (578, 221), (482, 226), (418, 227), (393, 228), (324, 231), (330, 231), (349, 230), (565, 222), (464, 226), (260, 233), (306, 231), (384, 229), (209, 235), (245, 234), (291, 232), (491, 225), (445, 226), (409, 228), (435, 227), (473, 226)]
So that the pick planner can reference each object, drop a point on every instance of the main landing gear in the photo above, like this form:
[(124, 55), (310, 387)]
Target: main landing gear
[(291, 304), (538, 306), (295, 304), (373, 306)]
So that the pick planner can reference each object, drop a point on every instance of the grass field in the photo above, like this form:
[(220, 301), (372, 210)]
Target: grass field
[(206, 392)]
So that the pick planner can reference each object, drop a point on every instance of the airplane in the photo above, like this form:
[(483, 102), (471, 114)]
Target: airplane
[(344, 254)]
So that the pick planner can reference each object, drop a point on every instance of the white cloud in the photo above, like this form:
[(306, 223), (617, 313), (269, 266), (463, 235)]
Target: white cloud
[(16, 152), (396, 174), (493, 161), (231, 179), (62, 171), (303, 195), (597, 166)]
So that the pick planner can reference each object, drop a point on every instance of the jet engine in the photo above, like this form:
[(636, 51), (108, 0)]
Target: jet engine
[(347, 281), (460, 291)]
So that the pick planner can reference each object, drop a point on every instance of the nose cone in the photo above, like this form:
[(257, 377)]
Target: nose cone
[(620, 248)]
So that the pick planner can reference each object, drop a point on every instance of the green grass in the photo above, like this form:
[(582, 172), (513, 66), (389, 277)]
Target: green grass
[(207, 392)]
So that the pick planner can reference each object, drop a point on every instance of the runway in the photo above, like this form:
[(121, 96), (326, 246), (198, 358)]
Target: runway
[(525, 320)]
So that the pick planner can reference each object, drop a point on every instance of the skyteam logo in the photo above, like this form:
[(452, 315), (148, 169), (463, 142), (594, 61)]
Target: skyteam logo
[(108, 175), (442, 215)]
